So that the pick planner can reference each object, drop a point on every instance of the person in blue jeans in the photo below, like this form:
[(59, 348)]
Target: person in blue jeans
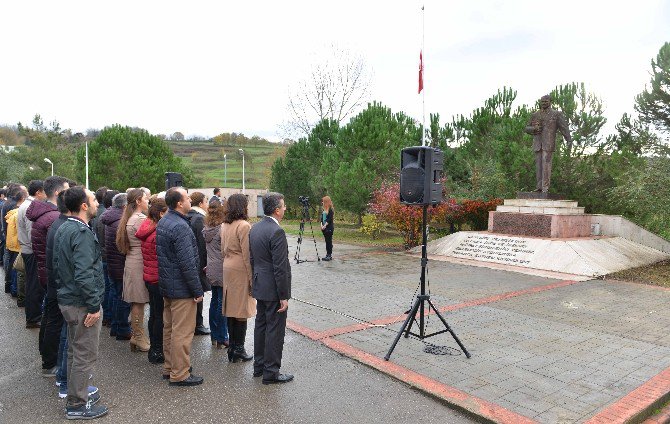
[(218, 323), (115, 264)]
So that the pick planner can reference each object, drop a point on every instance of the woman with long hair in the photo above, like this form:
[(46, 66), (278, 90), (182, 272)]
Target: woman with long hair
[(214, 273), (238, 305), (134, 290), (327, 226), (147, 235)]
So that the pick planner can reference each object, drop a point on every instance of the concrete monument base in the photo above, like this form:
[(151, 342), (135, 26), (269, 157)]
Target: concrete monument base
[(587, 256), (555, 236)]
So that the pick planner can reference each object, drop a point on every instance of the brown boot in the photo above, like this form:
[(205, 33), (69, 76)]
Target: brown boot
[(138, 341)]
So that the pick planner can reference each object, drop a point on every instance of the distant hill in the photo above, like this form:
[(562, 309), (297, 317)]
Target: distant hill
[(206, 160)]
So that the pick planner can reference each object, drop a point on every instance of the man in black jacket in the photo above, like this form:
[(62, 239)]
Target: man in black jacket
[(179, 285), (81, 287), (271, 287), (197, 217)]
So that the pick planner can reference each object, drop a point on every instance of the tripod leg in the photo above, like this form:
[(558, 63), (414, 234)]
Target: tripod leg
[(439, 315), (314, 238), (404, 327)]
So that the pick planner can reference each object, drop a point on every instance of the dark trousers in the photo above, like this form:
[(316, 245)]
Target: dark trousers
[(269, 334), (155, 317), (34, 291), (198, 315), (50, 333), (10, 274), (217, 322), (329, 242), (120, 322), (107, 308)]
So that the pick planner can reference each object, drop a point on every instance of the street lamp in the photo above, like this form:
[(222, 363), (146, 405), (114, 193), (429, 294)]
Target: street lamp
[(225, 170), (50, 163), (242, 153)]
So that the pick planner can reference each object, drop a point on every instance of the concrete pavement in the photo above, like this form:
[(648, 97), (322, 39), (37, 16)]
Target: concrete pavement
[(328, 387), (543, 350)]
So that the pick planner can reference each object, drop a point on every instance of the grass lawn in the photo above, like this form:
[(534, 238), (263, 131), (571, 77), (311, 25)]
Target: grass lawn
[(206, 160), (657, 274), (346, 233)]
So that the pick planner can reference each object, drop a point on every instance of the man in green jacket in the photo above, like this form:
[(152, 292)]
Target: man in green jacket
[(81, 287)]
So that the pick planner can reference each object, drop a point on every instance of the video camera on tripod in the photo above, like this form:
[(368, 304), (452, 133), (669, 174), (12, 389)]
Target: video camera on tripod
[(304, 201)]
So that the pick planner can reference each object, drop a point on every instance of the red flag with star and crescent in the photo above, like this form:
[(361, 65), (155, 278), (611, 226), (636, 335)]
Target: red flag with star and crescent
[(420, 71)]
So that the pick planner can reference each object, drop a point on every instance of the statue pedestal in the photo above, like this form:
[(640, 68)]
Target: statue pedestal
[(538, 195), (540, 218)]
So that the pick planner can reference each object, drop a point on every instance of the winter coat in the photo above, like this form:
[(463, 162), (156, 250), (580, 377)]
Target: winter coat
[(43, 215), (197, 224), (178, 263), (7, 206), (147, 235), (52, 287), (116, 260), (134, 289), (78, 264), (24, 227), (237, 300), (12, 243), (212, 236), (99, 229)]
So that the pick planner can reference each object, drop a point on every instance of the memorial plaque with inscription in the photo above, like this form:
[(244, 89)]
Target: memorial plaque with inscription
[(506, 250)]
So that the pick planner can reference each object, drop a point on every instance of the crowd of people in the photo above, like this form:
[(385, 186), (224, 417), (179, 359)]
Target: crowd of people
[(77, 261)]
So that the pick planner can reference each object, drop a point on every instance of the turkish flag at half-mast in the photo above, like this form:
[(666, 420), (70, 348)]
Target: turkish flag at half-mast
[(420, 71)]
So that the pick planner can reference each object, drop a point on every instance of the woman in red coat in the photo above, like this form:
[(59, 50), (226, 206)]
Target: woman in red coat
[(147, 235)]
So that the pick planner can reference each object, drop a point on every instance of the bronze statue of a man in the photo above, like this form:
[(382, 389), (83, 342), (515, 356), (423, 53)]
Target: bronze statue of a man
[(543, 126)]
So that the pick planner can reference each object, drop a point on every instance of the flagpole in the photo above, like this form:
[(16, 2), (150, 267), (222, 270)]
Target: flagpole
[(87, 165), (423, 97)]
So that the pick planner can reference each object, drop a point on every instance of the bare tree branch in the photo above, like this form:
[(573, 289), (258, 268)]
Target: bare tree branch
[(336, 88)]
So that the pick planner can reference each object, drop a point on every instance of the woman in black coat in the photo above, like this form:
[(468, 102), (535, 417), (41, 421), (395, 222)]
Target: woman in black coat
[(327, 226)]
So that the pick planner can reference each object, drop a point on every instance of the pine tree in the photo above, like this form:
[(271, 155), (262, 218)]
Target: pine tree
[(653, 104)]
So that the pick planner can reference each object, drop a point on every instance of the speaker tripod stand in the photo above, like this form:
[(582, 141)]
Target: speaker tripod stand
[(421, 303), (301, 232)]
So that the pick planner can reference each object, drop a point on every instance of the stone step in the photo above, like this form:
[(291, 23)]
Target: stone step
[(541, 203), (542, 210)]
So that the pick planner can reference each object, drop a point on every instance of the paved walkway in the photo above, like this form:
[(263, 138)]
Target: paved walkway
[(328, 388), (543, 350)]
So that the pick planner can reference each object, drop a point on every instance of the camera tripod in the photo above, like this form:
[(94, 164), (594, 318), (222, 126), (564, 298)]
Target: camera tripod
[(305, 218), (420, 304)]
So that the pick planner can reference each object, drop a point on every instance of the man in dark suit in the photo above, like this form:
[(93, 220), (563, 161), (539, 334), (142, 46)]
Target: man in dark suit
[(271, 287)]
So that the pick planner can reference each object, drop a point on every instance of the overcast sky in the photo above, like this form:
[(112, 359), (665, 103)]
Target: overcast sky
[(206, 67)]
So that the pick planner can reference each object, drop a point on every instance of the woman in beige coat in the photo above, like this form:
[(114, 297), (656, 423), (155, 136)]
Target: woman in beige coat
[(238, 305), (134, 290)]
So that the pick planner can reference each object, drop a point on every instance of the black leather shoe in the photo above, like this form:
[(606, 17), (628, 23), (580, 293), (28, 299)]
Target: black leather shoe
[(122, 337), (192, 380), (167, 376), (201, 330), (281, 378), (33, 324), (258, 373)]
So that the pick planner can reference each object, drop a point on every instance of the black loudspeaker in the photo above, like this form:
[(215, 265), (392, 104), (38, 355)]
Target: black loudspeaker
[(173, 179), (420, 172)]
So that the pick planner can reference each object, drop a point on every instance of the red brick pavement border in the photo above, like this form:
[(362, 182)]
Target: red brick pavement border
[(631, 408), (636, 404)]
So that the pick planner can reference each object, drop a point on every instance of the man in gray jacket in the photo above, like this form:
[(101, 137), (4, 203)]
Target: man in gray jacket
[(271, 287), (81, 287)]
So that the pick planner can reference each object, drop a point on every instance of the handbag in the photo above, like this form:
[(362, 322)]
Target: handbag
[(19, 265)]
